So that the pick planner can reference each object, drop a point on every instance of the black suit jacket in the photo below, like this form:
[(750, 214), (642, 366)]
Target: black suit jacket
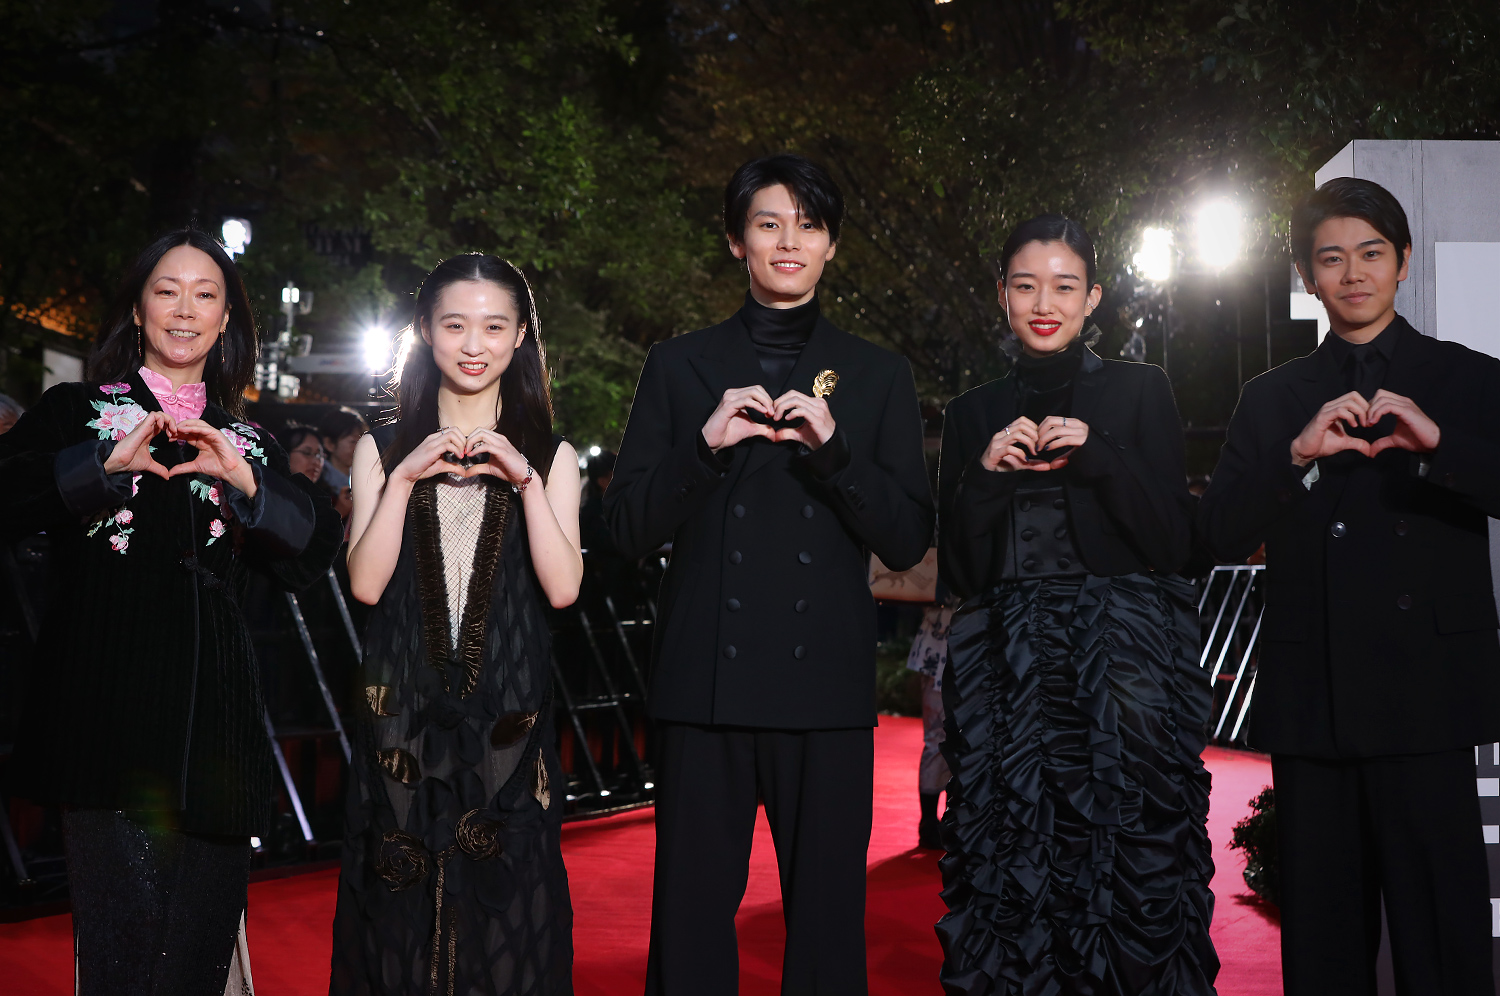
[(765, 614), (1126, 486), (1379, 634)]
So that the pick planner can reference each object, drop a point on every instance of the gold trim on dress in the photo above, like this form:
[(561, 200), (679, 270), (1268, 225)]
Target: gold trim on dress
[(511, 728), (379, 698), (539, 786), (399, 764)]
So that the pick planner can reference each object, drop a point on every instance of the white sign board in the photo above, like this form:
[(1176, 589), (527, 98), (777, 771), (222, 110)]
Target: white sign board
[(1466, 274)]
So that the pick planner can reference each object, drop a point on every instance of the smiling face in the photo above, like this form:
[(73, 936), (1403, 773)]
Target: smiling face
[(784, 250), (182, 313), (1355, 272), (1046, 296), (475, 329)]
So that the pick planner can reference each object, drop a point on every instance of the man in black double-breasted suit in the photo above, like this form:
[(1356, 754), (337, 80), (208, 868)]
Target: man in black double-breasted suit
[(773, 451), (1368, 469)]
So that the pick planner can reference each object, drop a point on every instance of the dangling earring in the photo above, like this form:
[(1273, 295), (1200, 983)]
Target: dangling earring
[(221, 350), (140, 343)]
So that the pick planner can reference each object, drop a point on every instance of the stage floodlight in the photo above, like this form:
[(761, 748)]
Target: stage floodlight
[(1220, 233), (236, 233), (376, 343), (1157, 253)]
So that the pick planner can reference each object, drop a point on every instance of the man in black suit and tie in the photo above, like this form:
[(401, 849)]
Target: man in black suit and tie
[(1368, 469), (773, 451)]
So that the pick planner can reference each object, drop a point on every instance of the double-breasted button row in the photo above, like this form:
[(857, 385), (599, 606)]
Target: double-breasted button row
[(798, 652)]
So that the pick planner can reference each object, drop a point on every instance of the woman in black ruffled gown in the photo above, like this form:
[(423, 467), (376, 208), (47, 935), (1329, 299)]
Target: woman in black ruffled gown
[(1078, 859), (453, 879)]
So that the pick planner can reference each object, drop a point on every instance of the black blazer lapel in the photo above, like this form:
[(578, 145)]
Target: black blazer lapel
[(1088, 388), (1412, 369)]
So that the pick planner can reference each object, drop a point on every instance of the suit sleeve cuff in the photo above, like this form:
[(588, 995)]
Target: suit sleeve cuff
[(281, 516), (711, 460), (827, 460), (82, 482)]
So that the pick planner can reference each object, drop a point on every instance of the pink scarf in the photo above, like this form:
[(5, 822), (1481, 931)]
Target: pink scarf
[(188, 401)]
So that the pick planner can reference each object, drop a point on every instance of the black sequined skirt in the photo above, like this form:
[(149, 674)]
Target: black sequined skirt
[(1078, 855)]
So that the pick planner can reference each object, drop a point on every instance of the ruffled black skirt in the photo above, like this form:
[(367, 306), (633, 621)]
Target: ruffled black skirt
[(1078, 855)]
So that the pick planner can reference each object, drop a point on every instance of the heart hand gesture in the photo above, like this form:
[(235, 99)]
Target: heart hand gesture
[(505, 461), (1414, 430), (1328, 431), (817, 421), (1012, 449), (730, 423), (217, 456), (133, 453), (430, 457)]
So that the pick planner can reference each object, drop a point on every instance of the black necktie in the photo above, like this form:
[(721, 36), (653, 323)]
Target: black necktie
[(1366, 370)]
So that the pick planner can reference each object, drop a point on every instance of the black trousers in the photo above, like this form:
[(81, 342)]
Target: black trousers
[(818, 787), (155, 911), (1406, 828)]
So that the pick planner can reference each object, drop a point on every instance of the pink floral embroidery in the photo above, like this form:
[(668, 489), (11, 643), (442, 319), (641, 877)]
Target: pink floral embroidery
[(116, 421), (216, 528), (119, 388), (124, 516), (213, 494), (135, 485), (120, 541)]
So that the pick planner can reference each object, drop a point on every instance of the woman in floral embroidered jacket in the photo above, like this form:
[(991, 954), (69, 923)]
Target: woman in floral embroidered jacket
[(145, 716)]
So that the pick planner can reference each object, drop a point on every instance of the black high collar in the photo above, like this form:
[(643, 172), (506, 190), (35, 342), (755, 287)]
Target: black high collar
[(779, 328)]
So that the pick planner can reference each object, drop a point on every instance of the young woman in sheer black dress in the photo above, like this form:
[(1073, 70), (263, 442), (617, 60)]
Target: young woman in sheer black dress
[(465, 522), (1078, 859)]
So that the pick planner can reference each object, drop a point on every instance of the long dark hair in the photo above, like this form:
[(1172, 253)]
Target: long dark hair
[(229, 369), (525, 396)]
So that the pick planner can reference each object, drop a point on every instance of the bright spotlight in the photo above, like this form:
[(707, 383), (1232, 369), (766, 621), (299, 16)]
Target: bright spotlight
[(1154, 261), (594, 451), (1220, 233), (236, 232), (377, 349)]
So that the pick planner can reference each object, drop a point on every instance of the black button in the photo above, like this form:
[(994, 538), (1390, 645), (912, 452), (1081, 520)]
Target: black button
[(1402, 528), (801, 605), (729, 651), (1338, 529), (807, 511), (735, 556), (1403, 601), (1060, 503), (1061, 532), (799, 653), (739, 511), (1064, 563), (733, 605), (1024, 504), (1030, 563), (805, 557), (1028, 534)]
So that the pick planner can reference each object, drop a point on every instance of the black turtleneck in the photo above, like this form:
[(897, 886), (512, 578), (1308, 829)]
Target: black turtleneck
[(779, 335), (1046, 382)]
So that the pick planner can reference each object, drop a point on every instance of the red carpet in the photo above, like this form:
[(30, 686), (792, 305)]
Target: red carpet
[(609, 865)]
